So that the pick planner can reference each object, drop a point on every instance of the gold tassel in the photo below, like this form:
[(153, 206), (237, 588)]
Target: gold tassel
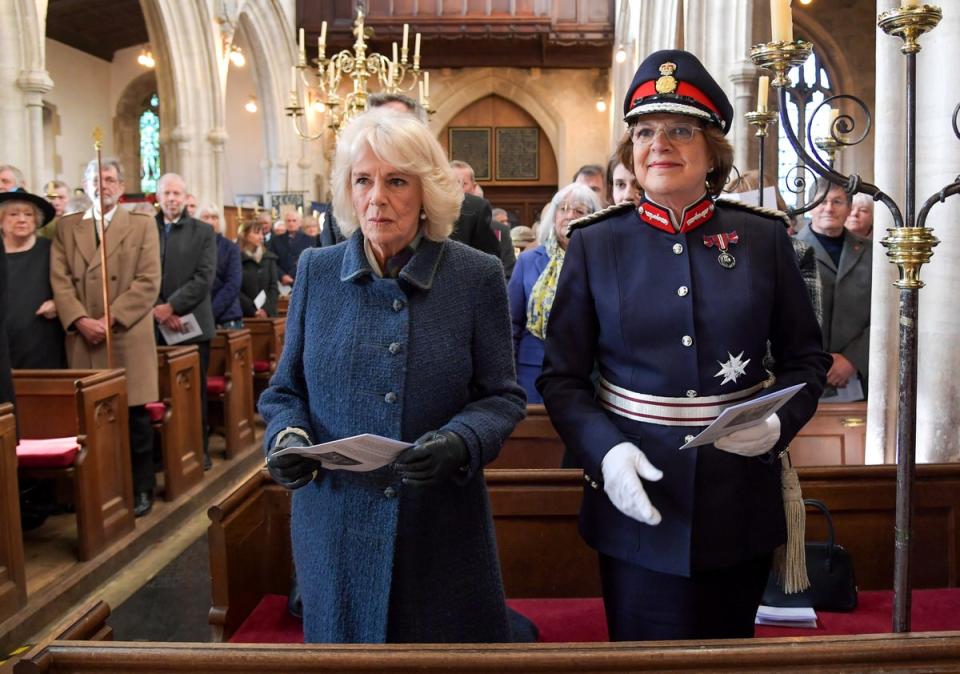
[(790, 560)]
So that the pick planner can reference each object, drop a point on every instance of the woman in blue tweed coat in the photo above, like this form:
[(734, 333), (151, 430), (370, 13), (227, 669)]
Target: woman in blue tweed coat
[(401, 332)]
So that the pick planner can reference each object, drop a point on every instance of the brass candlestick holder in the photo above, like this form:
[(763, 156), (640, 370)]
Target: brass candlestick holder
[(909, 23), (780, 57), (831, 146), (760, 120)]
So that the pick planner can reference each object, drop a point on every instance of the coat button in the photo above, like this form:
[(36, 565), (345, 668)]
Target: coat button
[(390, 492), (677, 248), (686, 340), (687, 438), (691, 393), (394, 348), (586, 477), (682, 291), (398, 305), (390, 397), (593, 484)]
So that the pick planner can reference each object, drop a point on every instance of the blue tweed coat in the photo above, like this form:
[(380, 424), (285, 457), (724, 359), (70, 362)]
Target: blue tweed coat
[(378, 561)]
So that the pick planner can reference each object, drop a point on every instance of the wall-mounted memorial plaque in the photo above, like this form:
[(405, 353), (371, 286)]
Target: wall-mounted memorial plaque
[(518, 153), (282, 200), (472, 145)]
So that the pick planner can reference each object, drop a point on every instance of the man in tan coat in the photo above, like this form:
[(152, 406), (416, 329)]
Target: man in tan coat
[(133, 267)]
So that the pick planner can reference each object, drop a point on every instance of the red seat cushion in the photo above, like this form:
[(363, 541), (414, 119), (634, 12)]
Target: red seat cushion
[(261, 366), (583, 620), (157, 411), (216, 385), (47, 453)]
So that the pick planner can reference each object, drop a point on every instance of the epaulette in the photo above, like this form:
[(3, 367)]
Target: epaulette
[(598, 215), (771, 213)]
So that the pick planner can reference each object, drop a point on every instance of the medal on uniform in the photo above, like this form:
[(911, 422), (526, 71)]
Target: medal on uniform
[(722, 242)]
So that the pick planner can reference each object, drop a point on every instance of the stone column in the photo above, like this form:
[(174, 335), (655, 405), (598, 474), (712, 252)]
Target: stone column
[(34, 84), (744, 76), (937, 165)]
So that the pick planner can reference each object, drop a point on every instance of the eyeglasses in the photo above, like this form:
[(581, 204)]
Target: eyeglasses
[(573, 209), (679, 133)]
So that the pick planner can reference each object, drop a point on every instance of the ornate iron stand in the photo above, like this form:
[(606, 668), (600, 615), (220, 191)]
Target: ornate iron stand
[(910, 245)]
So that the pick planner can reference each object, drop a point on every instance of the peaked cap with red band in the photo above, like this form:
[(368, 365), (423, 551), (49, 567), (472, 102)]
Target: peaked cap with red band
[(674, 81)]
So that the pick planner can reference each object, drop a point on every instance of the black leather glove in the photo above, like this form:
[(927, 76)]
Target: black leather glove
[(435, 457), (291, 471)]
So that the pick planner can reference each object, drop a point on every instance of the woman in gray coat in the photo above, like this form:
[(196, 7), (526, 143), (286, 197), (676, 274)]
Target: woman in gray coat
[(401, 332)]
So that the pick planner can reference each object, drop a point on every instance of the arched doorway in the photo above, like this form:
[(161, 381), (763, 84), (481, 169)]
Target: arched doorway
[(514, 160)]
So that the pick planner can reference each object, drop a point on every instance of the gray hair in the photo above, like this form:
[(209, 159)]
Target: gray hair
[(861, 199), (408, 145), (17, 173), (498, 211), (167, 177), (90, 172), (575, 192), (380, 98)]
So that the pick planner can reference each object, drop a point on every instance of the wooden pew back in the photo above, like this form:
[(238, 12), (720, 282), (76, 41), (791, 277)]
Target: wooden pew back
[(934, 652), (13, 580), (541, 554), (534, 443), (266, 341), (91, 404), (181, 431), (231, 357)]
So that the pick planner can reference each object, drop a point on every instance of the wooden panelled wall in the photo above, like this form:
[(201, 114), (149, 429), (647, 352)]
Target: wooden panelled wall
[(524, 198)]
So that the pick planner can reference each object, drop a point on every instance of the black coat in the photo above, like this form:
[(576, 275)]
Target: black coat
[(259, 276), (189, 262), (473, 226), (6, 377)]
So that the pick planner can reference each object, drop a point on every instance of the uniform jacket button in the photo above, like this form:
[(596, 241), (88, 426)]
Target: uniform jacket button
[(682, 291), (691, 393), (687, 438), (390, 397), (395, 348), (398, 305), (586, 477), (593, 484), (390, 492), (686, 340), (677, 248)]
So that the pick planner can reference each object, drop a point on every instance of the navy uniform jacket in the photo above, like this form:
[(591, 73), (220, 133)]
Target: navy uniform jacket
[(658, 315)]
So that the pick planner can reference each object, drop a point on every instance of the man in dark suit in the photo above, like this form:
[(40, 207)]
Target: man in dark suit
[(845, 261), (473, 225), (287, 247), (188, 256), (501, 229)]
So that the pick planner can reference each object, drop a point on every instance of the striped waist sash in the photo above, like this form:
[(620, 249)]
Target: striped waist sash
[(695, 411)]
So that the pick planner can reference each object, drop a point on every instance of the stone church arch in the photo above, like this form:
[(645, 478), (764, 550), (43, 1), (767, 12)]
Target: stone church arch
[(496, 117)]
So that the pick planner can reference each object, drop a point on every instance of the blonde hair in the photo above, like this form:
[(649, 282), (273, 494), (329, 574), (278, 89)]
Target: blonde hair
[(405, 143)]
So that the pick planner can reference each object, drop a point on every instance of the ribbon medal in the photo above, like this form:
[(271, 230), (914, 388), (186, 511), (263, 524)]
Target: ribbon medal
[(723, 242)]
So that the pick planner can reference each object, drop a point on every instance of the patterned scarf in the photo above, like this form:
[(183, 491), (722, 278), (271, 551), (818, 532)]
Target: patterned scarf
[(541, 296)]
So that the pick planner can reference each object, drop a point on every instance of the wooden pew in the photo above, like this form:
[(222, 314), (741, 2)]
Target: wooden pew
[(230, 388), (13, 580), (283, 304), (931, 652), (92, 405), (181, 433), (266, 340), (535, 514), (836, 436)]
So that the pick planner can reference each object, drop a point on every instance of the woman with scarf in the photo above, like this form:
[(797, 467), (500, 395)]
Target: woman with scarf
[(534, 282)]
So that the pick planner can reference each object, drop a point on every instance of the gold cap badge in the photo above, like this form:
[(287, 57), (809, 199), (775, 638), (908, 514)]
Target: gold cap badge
[(667, 84)]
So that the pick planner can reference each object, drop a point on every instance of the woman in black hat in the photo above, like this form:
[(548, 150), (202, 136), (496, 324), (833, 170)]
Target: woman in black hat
[(675, 300), (34, 334)]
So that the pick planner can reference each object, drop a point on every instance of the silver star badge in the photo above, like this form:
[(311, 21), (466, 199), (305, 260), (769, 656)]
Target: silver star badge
[(733, 368)]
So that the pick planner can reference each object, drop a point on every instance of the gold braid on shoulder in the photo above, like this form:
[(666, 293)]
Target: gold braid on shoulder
[(756, 210), (598, 215)]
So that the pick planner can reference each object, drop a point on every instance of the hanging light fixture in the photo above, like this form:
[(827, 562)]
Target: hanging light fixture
[(620, 55), (601, 105), (237, 57), (146, 58), (251, 104)]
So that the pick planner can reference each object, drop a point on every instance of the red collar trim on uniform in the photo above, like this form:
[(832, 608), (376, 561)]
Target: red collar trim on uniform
[(692, 217), (683, 89)]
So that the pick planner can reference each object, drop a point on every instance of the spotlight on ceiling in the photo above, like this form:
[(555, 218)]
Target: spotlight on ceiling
[(601, 105), (146, 58), (620, 55), (237, 57), (251, 104)]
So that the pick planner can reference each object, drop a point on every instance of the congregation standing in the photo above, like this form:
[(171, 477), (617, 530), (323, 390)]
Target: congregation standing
[(441, 320)]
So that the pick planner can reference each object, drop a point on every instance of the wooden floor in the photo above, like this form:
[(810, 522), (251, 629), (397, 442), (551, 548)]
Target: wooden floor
[(56, 580)]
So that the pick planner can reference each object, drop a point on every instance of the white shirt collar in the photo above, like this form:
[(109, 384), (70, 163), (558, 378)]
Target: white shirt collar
[(107, 220)]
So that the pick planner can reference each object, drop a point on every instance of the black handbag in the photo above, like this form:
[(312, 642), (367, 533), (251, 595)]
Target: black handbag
[(830, 569)]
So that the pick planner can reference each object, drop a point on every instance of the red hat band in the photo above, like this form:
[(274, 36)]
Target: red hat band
[(683, 89)]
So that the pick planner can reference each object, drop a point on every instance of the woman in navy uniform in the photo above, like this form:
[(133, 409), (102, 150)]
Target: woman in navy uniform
[(675, 301)]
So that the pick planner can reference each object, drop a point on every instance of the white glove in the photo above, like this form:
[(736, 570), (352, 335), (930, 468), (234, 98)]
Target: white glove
[(622, 468), (752, 441)]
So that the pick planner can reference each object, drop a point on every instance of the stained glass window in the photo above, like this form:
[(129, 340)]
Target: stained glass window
[(810, 84), (150, 145)]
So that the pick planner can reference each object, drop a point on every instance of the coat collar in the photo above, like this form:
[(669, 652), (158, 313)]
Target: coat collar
[(694, 215), (418, 272), (117, 230), (853, 248)]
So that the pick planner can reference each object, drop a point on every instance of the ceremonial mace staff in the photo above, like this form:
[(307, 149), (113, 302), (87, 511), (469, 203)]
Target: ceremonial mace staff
[(101, 226)]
